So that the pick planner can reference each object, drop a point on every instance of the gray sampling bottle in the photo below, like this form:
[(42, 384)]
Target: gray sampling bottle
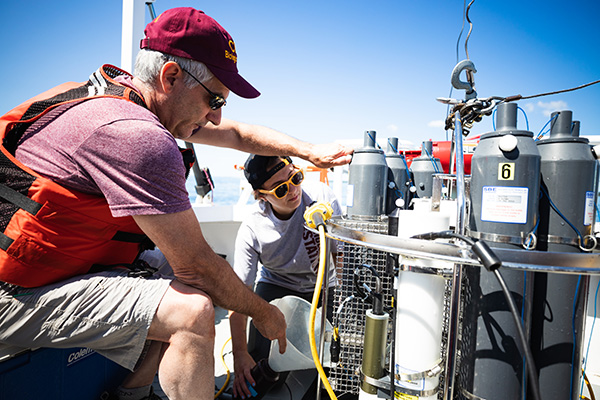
[(398, 178), (367, 180), (505, 180), (423, 168), (568, 170)]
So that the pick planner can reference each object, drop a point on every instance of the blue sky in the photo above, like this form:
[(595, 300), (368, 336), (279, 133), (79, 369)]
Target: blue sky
[(329, 70)]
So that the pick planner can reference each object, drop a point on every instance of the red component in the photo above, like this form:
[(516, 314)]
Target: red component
[(441, 150)]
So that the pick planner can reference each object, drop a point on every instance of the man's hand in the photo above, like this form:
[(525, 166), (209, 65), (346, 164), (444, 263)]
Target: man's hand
[(271, 324), (259, 139), (330, 155)]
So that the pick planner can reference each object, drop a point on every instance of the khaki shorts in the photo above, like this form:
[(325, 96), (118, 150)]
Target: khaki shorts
[(109, 312)]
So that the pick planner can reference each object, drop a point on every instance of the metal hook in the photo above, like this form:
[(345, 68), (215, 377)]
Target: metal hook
[(464, 65)]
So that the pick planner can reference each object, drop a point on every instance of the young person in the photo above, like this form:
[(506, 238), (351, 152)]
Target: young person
[(274, 236)]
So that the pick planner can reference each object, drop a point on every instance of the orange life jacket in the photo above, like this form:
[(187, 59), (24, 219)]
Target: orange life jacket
[(49, 232)]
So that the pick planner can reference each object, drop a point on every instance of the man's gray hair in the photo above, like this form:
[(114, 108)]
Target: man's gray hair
[(148, 64)]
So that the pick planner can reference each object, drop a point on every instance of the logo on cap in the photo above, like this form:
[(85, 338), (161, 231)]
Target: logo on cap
[(232, 56)]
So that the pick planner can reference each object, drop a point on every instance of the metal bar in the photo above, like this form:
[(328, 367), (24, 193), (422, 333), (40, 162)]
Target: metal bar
[(188, 145), (195, 168), (537, 261), (132, 31), (460, 176), (455, 296)]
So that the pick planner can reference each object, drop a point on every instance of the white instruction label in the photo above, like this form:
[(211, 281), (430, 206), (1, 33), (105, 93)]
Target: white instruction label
[(418, 384), (350, 196), (588, 216), (504, 204)]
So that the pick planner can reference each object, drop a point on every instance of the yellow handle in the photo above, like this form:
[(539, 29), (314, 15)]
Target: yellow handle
[(317, 214)]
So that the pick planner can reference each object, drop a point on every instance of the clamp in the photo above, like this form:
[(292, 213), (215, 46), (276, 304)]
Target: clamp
[(469, 86)]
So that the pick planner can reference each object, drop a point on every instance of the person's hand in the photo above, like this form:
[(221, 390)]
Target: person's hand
[(242, 364), (271, 324), (330, 155)]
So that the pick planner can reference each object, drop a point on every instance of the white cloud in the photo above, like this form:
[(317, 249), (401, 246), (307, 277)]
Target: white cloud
[(529, 107), (550, 107), (546, 108), (440, 123), (392, 127)]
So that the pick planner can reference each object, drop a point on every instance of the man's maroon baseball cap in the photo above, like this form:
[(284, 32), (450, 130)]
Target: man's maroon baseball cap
[(189, 33)]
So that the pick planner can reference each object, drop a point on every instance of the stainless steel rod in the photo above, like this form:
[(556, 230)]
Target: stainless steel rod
[(536, 261), (453, 316), (460, 175)]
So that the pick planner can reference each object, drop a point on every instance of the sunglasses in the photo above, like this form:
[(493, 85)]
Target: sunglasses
[(215, 101), (281, 190)]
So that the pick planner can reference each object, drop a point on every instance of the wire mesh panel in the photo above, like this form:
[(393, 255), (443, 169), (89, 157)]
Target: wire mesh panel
[(345, 377), (350, 308), (445, 327), (467, 345)]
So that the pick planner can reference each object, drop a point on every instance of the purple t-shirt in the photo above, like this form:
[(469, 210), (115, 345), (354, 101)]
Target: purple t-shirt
[(113, 148)]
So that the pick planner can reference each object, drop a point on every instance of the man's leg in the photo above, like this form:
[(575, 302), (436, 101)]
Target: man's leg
[(184, 322), (146, 370)]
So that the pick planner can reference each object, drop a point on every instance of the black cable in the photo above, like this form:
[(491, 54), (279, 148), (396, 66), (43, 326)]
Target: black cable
[(457, 43), (444, 235), (289, 390), (374, 296), (470, 30), (561, 91), (532, 372), (460, 34), (519, 97), (491, 262)]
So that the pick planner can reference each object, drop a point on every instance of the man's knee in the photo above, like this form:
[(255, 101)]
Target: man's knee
[(200, 315), (184, 309)]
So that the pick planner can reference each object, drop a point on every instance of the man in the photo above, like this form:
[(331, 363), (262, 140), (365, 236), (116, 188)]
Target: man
[(104, 161)]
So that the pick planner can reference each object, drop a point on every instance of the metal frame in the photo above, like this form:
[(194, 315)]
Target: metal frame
[(449, 258), (421, 252)]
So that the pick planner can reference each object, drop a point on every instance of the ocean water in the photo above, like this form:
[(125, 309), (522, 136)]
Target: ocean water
[(226, 189)]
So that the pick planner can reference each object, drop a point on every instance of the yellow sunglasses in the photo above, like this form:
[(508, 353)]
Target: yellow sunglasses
[(281, 190)]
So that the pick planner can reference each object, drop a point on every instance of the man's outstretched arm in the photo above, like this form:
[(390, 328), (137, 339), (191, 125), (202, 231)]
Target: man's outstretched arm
[(259, 139)]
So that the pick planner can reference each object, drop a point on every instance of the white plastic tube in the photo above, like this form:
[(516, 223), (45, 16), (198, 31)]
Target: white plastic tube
[(419, 312)]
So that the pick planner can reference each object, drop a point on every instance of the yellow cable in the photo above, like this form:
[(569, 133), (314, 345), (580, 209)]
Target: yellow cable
[(226, 368), (589, 386), (313, 312)]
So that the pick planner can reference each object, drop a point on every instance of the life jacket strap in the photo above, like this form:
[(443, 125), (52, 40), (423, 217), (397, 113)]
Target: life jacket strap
[(129, 237), (5, 241), (19, 199)]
